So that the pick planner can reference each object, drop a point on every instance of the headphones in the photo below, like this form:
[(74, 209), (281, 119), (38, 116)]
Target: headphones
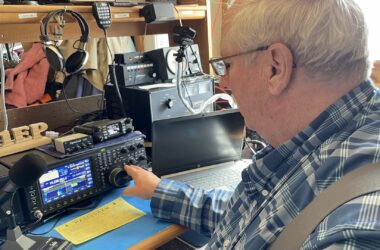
[(76, 61)]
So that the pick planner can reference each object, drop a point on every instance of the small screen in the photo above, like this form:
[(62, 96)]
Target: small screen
[(113, 129), (66, 180)]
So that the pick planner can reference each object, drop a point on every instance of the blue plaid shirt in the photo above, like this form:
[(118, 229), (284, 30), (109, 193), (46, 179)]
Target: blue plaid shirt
[(281, 182)]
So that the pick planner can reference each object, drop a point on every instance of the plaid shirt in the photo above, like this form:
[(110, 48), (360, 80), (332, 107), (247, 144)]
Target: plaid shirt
[(281, 182)]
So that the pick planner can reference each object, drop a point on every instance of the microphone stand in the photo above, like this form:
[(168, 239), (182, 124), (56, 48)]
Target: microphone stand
[(15, 239)]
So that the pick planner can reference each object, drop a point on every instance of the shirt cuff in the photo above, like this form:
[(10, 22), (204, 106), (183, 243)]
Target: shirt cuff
[(165, 196)]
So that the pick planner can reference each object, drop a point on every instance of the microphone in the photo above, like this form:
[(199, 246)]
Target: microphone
[(23, 174)]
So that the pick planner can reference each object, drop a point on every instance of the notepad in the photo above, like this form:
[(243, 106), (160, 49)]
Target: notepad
[(99, 221)]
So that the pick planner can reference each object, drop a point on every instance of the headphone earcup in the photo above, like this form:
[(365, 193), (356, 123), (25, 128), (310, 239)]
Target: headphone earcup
[(76, 61), (54, 57)]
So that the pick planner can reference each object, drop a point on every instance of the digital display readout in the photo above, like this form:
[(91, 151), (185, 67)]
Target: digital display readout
[(66, 180), (113, 129)]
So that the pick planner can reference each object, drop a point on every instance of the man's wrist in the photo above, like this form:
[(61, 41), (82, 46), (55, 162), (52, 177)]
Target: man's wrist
[(163, 198)]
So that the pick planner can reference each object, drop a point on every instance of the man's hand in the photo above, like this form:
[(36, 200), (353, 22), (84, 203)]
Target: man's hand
[(145, 182)]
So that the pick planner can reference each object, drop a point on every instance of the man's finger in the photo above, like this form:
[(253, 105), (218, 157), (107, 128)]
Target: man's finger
[(130, 191), (131, 170)]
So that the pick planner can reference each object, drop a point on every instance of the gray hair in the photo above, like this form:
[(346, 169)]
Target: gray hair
[(328, 38)]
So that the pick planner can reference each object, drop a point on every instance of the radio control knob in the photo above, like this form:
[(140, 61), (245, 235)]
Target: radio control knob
[(142, 157), (169, 103), (132, 148), (119, 178), (132, 161), (123, 150), (140, 145)]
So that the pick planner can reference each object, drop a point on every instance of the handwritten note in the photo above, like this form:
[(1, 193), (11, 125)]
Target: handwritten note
[(99, 221)]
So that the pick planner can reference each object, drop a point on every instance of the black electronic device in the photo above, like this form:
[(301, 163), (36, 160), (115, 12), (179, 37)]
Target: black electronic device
[(74, 179), (131, 58), (102, 14), (166, 66), (133, 69), (158, 12), (146, 105), (76, 61), (183, 36), (106, 129), (4, 178)]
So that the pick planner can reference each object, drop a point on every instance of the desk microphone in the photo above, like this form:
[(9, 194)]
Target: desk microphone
[(23, 174)]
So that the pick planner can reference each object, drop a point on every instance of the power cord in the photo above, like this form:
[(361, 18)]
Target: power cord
[(2, 85), (116, 85), (65, 81)]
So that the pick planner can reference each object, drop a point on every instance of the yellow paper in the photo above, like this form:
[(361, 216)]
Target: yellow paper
[(99, 221)]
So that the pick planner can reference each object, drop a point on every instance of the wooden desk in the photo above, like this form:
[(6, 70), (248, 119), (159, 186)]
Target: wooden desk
[(160, 238)]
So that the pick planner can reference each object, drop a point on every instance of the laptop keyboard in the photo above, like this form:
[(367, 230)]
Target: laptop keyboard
[(225, 175)]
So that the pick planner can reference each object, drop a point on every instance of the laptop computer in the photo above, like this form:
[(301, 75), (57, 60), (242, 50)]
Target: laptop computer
[(194, 148)]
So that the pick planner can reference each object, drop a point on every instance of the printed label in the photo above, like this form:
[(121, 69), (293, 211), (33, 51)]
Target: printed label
[(27, 15), (121, 15)]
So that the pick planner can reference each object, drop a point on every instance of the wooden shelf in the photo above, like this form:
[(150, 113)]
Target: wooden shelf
[(21, 23)]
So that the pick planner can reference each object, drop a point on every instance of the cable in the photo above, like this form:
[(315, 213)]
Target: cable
[(116, 85), (209, 101), (179, 16), (60, 216), (66, 99), (249, 146), (196, 59), (2, 85)]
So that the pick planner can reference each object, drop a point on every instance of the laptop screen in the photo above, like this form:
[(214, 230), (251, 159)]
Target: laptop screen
[(198, 140)]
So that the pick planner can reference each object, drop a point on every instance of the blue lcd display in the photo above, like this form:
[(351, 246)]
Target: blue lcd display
[(66, 180)]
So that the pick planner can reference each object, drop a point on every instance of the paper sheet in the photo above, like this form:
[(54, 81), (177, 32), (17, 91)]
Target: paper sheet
[(99, 221)]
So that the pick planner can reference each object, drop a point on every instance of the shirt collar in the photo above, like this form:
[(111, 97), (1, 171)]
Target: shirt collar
[(271, 164)]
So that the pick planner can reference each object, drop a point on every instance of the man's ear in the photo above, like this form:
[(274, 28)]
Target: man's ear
[(282, 66)]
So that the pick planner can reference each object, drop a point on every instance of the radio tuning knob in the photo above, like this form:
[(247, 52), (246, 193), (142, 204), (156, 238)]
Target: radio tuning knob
[(118, 177), (169, 103)]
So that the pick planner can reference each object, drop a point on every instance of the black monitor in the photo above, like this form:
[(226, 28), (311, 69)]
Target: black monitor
[(194, 141)]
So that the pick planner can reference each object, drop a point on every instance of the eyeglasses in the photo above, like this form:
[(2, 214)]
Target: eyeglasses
[(220, 66)]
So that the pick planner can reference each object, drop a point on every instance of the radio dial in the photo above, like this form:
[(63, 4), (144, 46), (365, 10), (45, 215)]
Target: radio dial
[(118, 177)]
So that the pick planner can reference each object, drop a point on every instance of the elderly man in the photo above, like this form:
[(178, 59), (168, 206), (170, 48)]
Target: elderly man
[(298, 70)]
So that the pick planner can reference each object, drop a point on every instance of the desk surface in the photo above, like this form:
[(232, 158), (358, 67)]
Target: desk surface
[(146, 232)]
